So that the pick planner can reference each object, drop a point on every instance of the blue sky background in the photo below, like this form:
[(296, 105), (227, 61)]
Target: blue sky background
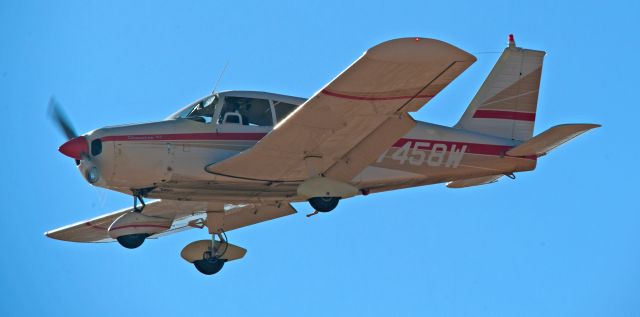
[(561, 241)]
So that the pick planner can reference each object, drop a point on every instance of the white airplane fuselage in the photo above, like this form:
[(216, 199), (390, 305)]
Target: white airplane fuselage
[(167, 159)]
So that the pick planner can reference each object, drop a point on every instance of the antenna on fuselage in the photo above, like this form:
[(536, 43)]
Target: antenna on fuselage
[(220, 78)]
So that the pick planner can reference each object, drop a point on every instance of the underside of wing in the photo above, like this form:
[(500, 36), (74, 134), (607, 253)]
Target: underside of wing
[(336, 128), (163, 217)]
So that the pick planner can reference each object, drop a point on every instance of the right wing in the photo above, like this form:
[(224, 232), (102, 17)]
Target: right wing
[(352, 120), (182, 215)]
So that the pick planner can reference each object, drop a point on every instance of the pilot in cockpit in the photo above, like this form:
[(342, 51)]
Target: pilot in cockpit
[(243, 109), (240, 109)]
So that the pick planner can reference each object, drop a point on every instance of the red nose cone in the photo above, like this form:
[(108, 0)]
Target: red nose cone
[(75, 148)]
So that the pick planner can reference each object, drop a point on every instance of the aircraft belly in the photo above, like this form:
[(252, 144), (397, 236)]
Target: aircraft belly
[(243, 191)]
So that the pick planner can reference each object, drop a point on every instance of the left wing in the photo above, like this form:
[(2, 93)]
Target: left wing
[(180, 215), (357, 116)]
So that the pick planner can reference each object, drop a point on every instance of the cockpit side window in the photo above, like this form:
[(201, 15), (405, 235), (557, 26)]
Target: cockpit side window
[(252, 111), (283, 109)]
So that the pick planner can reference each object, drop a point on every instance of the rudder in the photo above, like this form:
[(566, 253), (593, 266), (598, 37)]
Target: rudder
[(505, 106)]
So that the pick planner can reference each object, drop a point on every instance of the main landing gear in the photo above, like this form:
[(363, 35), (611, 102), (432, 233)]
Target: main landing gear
[(138, 193), (324, 204), (212, 261), (132, 241)]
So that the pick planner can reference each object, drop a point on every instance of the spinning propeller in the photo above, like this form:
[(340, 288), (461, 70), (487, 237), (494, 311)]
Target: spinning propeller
[(76, 147)]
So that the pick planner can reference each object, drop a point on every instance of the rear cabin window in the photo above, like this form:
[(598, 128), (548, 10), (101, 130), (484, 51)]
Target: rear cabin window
[(251, 111), (283, 109)]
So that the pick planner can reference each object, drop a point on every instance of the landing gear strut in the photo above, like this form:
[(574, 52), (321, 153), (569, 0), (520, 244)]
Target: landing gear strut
[(137, 196), (135, 203)]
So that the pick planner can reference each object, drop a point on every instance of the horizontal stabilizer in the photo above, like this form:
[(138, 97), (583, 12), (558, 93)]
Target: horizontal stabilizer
[(474, 181), (548, 140)]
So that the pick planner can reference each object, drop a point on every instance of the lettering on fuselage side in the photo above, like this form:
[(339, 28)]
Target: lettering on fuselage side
[(382, 156), (437, 154), (417, 153), (455, 156)]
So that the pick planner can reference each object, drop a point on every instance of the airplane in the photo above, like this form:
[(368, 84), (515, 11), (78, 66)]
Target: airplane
[(237, 158)]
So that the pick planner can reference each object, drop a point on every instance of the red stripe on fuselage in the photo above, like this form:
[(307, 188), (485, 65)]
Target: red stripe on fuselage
[(188, 137), (352, 97), (500, 114), (472, 148)]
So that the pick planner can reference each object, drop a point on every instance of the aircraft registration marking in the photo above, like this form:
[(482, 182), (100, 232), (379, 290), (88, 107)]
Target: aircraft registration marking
[(416, 154)]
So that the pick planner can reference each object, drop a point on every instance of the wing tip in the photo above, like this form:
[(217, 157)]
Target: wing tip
[(52, 234), (415, 49)]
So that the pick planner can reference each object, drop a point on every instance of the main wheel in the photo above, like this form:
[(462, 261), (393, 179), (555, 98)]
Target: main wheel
[(324, 204), (210, 266), (132, 241)]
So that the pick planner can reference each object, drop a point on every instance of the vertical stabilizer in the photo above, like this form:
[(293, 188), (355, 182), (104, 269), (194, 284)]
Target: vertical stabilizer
[(505, 106)]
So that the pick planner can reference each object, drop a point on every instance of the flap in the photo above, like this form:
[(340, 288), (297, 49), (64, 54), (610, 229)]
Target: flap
[(474, 181), (548, 140), (388, 81)]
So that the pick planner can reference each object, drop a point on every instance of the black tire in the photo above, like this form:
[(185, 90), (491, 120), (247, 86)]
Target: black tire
[(132, 241), (209, 267), (324, 204)]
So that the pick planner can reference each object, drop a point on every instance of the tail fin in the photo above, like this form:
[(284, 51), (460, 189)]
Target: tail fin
[(505, 106)]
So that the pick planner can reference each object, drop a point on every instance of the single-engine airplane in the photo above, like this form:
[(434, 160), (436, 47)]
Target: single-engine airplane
[(237, 158)]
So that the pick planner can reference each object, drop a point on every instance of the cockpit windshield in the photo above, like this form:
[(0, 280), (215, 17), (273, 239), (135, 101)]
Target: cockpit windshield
[(201, 110)]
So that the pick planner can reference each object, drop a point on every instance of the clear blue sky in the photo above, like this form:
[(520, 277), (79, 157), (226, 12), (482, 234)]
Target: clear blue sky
[(561, 241)]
